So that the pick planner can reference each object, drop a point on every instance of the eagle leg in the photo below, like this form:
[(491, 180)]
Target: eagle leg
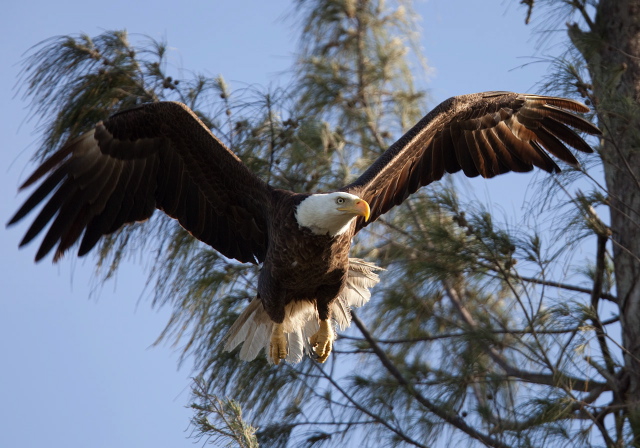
[(278, 345), (322, 341)]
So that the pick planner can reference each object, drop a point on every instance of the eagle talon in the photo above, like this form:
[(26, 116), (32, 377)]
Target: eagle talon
[(322, 341), (278, 345)]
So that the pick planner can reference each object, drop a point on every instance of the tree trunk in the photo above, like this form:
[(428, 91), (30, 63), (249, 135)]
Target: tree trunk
[(612, 52)]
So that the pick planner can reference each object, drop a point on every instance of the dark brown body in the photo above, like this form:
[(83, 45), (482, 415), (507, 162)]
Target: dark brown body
[(302, 266)]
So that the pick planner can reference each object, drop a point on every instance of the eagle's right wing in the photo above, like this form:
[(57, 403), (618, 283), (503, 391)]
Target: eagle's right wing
[(158, 155)]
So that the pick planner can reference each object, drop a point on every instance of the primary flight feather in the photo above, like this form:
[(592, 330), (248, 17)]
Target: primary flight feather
[(161, 156)]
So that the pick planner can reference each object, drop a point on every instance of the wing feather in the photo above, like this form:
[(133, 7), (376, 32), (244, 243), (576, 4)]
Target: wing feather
[(438, 164), (463, 152), (156, 156), (484, 134), (43, 190), (492, 162), (507, 155), (46, 214), (74, 209), (451, 163), (567, 135), (122, 210), (102, 222), (170, 194), (95, 205)]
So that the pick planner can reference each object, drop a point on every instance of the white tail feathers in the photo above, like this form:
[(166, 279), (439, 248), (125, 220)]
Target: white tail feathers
[(253, 327)]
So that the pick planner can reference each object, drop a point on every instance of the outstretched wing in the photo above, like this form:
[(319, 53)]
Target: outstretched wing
[(481, 134), (158, 155)]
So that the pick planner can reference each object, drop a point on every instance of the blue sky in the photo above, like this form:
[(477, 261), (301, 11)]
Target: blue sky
[(76, 366)]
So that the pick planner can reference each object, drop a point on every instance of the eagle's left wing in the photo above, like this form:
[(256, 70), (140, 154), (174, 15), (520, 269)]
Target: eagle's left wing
[(481, 134)]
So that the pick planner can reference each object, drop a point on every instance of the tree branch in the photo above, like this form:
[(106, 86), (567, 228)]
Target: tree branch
[(568, 287), (568, 413), (597, 288), (554, 284), (364, 410), (442, 413), (463, 334), (581, 7), (554, 380)]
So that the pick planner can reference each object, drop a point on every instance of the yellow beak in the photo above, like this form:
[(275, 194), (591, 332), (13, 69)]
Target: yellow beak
[(360, 207)]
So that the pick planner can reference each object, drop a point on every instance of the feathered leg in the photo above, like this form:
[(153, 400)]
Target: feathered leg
[(322, 341), (278, 345)]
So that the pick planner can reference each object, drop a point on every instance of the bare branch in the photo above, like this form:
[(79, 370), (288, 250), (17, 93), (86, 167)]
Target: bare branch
[(447, 416), (556, 379), (368, 412)]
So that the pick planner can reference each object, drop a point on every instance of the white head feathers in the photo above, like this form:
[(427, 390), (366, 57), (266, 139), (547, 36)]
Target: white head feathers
[(330, 213)]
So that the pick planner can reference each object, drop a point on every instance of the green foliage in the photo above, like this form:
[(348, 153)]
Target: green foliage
[(80, 80), (353, 71), (480, 326), (226, 414)]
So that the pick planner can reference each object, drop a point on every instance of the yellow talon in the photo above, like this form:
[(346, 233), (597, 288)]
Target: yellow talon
[(322, 341), (278, 345)]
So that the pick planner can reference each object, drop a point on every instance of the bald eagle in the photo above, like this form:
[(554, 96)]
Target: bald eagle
[(160, 155)]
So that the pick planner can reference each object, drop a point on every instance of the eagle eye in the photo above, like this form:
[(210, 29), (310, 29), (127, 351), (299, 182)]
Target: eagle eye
[(340, 201)]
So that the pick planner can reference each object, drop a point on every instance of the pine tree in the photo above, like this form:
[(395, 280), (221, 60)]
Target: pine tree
[(482, 331)]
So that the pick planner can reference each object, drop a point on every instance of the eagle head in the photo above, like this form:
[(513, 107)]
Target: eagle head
[(331, 213)]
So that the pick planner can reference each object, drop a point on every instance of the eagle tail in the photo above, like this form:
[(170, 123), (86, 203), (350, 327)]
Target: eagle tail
[(253, 327)]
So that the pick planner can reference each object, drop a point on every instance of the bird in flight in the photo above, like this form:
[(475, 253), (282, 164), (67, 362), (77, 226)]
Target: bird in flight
[(161, 156)]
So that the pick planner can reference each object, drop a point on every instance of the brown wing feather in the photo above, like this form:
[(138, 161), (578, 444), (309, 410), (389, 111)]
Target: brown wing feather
[(158, 155), (481, 134)]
